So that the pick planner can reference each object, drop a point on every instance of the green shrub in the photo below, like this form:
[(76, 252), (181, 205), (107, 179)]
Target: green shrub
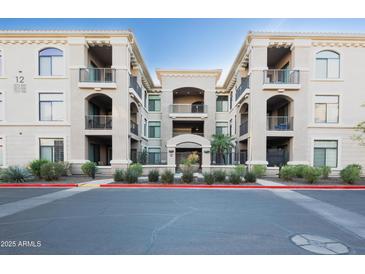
[(240, 169), (250, 177), (351, 173), (35, 166), (153, 176), (89, 169), (187, 174), (259, 170), (208, 178), (300, 170), (312, 174), (66, 168), (219, 176), (167, 177), (287, 172), (119, 175), (234, 178), (325, 172), (132, 173), (52, 171), (15, 174), (137, 168)]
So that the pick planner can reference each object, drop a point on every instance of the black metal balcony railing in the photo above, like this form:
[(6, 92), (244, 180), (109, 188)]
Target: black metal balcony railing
[(281, 76), (134, 85), (244, 127), (245, 83), (279, 123), (233, 158), (98, 121), (152, 158), (97, 75), (134, 128), (181, 108)]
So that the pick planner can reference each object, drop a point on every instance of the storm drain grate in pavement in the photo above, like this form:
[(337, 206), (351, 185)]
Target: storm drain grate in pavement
[(319, 245)]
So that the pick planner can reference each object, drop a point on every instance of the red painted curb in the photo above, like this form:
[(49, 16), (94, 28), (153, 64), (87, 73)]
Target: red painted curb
[(230, 186), (38, 185)]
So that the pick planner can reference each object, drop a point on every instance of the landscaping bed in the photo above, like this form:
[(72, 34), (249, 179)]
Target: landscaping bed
[(300, 181)]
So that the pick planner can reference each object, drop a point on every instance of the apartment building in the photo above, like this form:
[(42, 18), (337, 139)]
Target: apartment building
[(289, 98)]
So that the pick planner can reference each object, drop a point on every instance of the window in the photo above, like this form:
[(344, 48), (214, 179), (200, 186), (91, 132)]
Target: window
[(230, 100), (154, 129), (145, 128), (325, 153), (326, 109), (51, 107), (154, 156), (1, 63), (222, 104), (2, 107), (230, 127), (327, 65), (1, 151), (51, 62), (154, 103), (221, 128), (51, 149)]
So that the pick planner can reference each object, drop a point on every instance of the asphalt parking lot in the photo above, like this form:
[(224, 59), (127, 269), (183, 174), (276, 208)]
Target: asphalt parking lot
[(172, 221)]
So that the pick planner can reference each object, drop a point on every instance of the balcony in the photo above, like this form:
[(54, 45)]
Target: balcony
[(133, 83), (134, 128), (97, 78), (284, 79), (279, 123), (244, 128), (245, 83), (177, 133), (98, 121), (188, 110)]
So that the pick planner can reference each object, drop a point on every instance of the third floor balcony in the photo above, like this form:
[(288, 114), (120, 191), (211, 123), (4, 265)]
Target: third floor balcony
[(281, 79), (245, 84), (97, 78), (133, 83)]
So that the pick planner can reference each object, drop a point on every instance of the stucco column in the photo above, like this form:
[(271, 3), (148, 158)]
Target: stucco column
[(206, 158), (257, 103), (77, 52), (120, 108), (171, 157), (166, 121), (300, 57)]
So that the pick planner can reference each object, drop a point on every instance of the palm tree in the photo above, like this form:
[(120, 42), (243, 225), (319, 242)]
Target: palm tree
[(222, 144)]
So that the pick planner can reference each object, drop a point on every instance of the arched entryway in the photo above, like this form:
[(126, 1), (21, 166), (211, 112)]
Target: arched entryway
[(181, 146)]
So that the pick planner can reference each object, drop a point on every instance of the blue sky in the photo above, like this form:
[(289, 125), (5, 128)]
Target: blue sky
[(190, 43)]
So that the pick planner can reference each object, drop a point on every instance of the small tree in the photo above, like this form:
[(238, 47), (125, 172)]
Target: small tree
[(222, 144), (360, 128)]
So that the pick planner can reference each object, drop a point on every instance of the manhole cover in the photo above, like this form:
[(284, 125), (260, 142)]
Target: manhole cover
[(319, 244)]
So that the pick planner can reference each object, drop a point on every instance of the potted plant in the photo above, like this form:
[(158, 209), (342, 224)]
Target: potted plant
[(191, 161)]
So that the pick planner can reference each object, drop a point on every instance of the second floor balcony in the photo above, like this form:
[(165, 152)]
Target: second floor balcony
[(244, 128), (188, 110), (281, 79), (279, 123), (98, 122), (134, 128), (97, 78)]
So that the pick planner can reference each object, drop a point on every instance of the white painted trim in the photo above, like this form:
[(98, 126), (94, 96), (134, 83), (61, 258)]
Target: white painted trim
[(36, 55), (38, 92), (3, 138), (2, 75), (96, 85), (338, 50), (52, 136), (327, 138), (4, 107), (340, 109)]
